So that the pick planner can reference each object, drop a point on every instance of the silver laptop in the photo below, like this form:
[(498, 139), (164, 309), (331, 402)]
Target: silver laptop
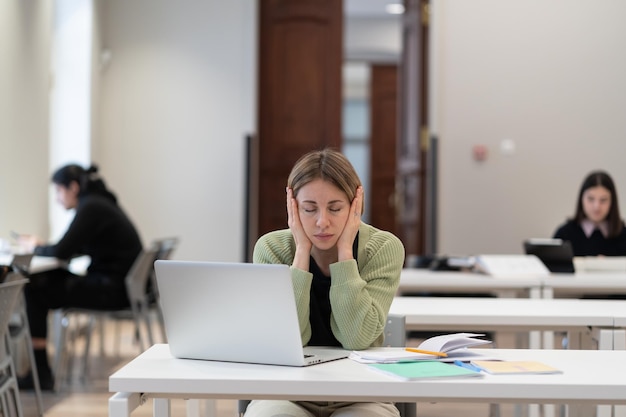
[(235, 312)]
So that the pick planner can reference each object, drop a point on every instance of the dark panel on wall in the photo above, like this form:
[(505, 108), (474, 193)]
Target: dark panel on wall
[(384, 135)]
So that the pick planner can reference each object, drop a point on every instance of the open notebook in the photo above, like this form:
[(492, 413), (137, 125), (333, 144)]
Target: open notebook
[(234, 312)]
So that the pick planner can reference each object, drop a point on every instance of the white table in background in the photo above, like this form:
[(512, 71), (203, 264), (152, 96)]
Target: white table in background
[(413, 280), (515, 314), (589, 377), (588, 283), (578, 284), (38, 264), (584, 320)]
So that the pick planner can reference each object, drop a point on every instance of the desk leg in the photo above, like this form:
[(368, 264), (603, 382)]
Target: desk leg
[(161, 407), (619, 339), (535, 292), (193, 407), (534, 339), (584, 339), (122, 404), (210, 408), (606, 341), (610, 339), (547, 292), (619, 343)]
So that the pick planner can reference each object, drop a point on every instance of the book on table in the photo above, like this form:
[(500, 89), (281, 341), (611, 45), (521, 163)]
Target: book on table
[(515, 367), (417, 370), (443, 348)]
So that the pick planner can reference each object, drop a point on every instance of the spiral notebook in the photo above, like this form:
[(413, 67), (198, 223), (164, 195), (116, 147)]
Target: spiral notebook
[(235, 312)]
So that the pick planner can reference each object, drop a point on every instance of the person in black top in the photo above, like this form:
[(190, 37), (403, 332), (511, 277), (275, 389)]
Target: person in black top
[(101, 230), (597, 228)]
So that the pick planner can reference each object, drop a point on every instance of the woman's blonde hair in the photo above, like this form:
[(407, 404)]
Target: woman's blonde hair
[(327, 165)]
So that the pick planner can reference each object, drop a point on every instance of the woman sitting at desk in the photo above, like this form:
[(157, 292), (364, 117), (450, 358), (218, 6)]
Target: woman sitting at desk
[(596, 228), (100, 229), (345, 273)]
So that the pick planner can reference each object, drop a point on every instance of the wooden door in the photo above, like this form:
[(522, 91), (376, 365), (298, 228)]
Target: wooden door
[(383, 137), (300, 60)]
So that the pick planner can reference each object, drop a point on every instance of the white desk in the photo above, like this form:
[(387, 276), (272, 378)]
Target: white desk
[(77, 265), (414, 280), (589, 377), (38, 264), (515, 314), (584, 283)]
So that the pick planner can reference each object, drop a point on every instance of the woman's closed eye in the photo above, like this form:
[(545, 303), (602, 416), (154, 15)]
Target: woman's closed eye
[(313, 209)]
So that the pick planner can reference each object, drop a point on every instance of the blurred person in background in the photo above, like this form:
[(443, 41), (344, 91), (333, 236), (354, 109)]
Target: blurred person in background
[(99, 229)]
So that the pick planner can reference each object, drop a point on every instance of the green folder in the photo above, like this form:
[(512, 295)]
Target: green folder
[(423, 370)]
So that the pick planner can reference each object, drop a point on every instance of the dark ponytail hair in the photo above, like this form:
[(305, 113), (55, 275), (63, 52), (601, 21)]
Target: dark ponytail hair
[(88, 180)]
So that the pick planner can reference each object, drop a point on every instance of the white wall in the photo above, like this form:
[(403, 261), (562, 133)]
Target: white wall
[(548, 75), (24, 87), (175, 103)]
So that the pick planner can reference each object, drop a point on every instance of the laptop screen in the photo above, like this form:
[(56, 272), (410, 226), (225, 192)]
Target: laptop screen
[(556, 254)]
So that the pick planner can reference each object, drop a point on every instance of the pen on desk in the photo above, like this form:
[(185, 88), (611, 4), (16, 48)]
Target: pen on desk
[(427, 352), (467, 365)]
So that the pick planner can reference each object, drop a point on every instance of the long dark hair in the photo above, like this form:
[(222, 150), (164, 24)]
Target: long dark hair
[(602, 179), (88, 180)]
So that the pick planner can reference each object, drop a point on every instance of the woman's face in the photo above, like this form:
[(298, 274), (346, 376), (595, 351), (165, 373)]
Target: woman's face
[(323, 210), (67, 196), (596, 203)]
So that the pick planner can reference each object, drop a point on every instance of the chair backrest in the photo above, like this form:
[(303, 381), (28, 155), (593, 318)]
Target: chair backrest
[(5, 270), (395, 330), (139, 274), (22, 262), (9, 292), (166, 246), (395, 336)]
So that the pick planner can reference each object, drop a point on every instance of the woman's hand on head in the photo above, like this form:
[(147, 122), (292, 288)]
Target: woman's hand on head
[(350, 230), (303, 243)]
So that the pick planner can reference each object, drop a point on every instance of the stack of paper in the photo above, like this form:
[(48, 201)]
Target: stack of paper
[(423, 370), (449, 342), (515, 367), (444, 348)]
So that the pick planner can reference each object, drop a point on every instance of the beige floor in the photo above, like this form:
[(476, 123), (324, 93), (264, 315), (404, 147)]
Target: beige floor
[(88, 397)]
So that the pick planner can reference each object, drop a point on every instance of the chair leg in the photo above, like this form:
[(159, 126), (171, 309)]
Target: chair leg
[(161, 322), (12, 393), (59, 330), (144, 313), (88, 333), (33, 364), (101, 324)]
